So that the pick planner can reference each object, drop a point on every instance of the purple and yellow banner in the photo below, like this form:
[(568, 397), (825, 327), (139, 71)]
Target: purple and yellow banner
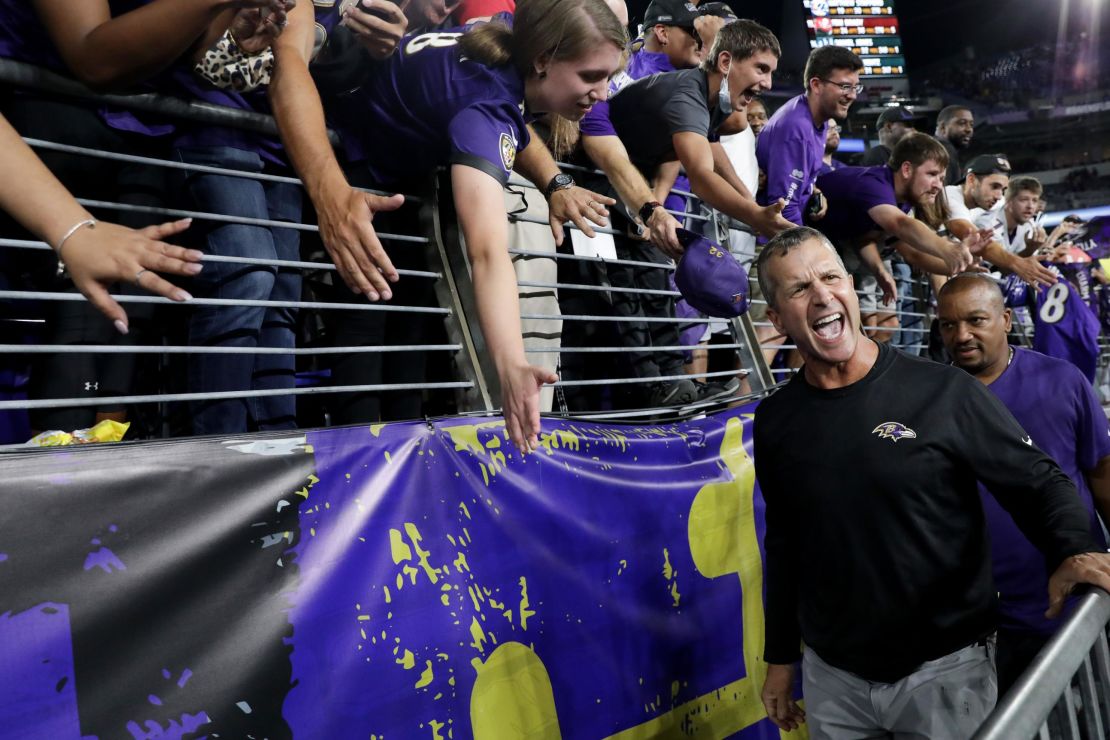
[(417, 580)]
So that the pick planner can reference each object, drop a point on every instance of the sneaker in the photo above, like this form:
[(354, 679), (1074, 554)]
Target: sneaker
[(712, 389), (671, 393)]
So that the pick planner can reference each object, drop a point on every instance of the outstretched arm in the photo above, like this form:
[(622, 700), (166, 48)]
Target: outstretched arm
[(96, 254), (480, 203), (110, 53)]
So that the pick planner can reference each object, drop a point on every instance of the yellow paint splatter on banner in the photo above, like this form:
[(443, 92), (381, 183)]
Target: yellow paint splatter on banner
[(407, 660), (398, 548), (426, 676), (525, 612)]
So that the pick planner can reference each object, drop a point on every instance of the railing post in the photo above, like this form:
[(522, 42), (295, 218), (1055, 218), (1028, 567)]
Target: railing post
[(455, 291)]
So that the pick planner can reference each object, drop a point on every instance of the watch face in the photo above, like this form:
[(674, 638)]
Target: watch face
[(563, 180)]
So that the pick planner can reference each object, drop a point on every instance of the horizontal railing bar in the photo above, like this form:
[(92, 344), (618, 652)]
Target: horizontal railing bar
[(584, 350), (54, 403), (30, 295), (30, 244), (659, 379), (239, 220), (583, 258), (170, 164), (111, 349)]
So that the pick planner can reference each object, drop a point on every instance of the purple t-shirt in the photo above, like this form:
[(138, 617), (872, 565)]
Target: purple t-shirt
[(426, 106), (790, 150), (641, 64), (851, 192), (1058, 407)]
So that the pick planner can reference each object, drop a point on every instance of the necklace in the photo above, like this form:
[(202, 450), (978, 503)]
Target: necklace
[(1011, 357)]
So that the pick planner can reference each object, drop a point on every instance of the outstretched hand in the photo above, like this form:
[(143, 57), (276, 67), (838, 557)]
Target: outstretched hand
[(520, 403), (105, 253), (579, 206), (347, 230)]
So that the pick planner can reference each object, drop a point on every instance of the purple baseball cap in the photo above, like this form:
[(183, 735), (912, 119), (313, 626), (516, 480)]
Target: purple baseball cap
[(710, 278)]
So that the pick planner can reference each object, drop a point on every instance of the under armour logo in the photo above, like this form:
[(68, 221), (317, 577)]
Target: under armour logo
[(1027, 440), (89, 386)]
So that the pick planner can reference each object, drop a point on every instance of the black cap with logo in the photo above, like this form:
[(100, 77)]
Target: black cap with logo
[(670, 13)]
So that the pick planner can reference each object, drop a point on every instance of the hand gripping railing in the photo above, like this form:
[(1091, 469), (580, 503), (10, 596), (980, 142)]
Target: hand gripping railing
[(1065, 692)]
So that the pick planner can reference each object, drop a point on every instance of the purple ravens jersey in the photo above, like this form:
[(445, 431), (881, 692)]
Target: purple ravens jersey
[(1061, 412), (1063, 324), (428, 106)]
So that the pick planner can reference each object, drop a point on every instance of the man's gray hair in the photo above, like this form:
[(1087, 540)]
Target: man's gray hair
[(780, 246)]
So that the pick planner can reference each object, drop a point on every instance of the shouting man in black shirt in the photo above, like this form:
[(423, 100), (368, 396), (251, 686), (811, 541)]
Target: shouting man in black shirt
[(876, 549)]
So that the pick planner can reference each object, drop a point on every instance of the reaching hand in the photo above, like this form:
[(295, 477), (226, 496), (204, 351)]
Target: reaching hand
[(661, 233), (1033, 272), (97, 256), (957, 257), (888, 286), (254, 29), (778, 697), (579, 206), (379, 25), (769, 220), (520, 403), (347, 230)]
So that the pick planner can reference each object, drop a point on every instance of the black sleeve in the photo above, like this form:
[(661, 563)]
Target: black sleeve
[(783, 636), (1028, 483), (875, 156)]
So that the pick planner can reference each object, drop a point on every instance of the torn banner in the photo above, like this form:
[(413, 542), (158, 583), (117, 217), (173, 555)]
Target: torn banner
[(399, 581)]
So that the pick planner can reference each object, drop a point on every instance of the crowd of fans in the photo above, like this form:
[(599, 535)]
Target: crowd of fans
[(671, 120), (669, 136), (1016, 78)]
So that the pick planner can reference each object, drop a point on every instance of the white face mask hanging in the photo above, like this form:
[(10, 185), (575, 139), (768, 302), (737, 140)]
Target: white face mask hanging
[(724, 98)]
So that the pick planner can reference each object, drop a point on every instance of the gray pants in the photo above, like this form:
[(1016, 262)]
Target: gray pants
[(947, 698)]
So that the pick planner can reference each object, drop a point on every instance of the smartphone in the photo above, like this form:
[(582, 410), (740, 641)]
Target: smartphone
[(345, 5)]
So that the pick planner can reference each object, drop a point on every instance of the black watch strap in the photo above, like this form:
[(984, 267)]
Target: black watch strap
[(647, 209), (561, 181)]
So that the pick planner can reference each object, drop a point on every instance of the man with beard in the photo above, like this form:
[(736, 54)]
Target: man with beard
[(876, 547), (1017, 229), (971, 206), (955, 126), (868, 204), (1052, 400)]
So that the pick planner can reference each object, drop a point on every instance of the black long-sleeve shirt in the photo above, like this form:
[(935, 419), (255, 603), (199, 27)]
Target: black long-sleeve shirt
[(876, 546)]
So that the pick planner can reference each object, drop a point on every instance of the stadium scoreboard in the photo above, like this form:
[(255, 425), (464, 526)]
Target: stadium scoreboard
[(867, 27)]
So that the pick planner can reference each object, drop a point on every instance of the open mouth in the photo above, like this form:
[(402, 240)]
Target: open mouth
[(829, 328), (966, 351)]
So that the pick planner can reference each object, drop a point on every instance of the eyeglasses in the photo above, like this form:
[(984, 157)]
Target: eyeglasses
[(845, 87)]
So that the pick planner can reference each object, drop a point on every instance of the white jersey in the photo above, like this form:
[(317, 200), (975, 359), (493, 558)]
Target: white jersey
[(740, 149)]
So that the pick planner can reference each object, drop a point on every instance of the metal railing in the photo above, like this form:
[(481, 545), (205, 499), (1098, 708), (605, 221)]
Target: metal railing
[(742, 342), (1065, 692)]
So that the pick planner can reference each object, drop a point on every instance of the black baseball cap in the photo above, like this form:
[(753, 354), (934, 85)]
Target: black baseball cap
[(898, 114), (988, 164), (671, 13), (720, 10)]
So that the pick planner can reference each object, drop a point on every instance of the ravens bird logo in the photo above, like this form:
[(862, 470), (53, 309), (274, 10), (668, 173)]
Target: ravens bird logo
[(894, 430)]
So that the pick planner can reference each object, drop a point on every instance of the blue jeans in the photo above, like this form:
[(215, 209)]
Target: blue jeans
[(909, 334), (243, 326)]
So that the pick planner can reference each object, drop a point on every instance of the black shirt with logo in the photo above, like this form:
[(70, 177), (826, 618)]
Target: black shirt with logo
[(876, 544)]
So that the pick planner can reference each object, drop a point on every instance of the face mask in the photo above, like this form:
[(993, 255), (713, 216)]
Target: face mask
[(724, 98)]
